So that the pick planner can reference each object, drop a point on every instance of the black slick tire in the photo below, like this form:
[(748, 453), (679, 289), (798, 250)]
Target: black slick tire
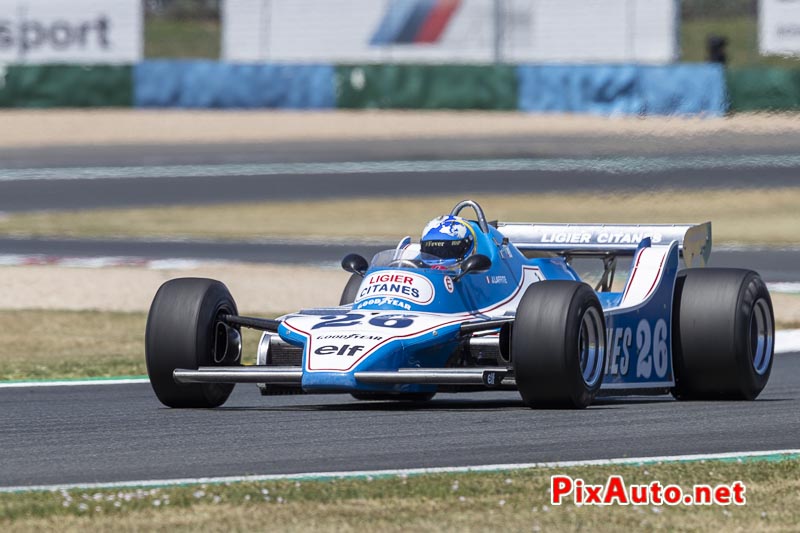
[(558, 345), (180, 334), (723, 334)]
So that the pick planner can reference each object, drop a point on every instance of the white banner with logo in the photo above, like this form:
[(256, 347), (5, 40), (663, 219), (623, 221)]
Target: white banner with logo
[(71, 31), (436, 31), (779, 27)]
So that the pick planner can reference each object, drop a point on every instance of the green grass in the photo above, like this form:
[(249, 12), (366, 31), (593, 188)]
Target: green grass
[(511, 501), (742, 34), (173, 38)]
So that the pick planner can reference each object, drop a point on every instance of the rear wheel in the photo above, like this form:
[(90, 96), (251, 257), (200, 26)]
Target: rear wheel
[(181, 334), (558, 344), (723, 334)]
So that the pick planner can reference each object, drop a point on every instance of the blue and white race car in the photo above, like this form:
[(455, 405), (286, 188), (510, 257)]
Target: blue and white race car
[(476, 306)]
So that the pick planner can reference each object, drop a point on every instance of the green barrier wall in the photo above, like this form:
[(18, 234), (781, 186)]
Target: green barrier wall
[(426, 86), (67, 86), (763, 89)]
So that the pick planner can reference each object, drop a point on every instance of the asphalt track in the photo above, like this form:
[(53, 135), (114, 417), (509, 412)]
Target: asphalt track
[(16, 196), (121, 432), (586, 159)]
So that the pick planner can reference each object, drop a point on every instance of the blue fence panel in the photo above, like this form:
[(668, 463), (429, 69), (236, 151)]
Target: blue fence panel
[(604, 90), (212, 84), (683, 89), (622, 89)]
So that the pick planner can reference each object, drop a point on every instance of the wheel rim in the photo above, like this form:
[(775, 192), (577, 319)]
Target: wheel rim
[(761, 336), (591, 346)]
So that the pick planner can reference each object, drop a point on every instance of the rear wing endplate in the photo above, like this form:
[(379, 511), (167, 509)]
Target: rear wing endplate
[(694, 240)]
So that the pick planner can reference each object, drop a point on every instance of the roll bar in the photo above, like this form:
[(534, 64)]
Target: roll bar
[(475, 207)]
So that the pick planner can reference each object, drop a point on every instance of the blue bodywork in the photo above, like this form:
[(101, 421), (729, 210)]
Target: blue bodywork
[(407, 317)]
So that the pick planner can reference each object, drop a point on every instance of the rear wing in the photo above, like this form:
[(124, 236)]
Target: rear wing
[(602, 240)]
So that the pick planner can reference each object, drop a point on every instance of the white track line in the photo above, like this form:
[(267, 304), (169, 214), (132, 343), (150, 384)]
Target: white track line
[(71, 383), (319, 476), (606, 164), (787, 340)]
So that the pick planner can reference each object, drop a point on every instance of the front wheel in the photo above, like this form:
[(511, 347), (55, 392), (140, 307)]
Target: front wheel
[(558, 344), (181, 334)]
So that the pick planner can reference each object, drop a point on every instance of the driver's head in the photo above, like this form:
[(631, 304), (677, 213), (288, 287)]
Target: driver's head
[(448, 238)]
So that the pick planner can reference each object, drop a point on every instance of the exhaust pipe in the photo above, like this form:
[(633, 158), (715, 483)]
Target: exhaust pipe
[(227, 344)]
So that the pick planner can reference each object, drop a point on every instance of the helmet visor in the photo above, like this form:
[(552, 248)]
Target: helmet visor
[(446, 249)]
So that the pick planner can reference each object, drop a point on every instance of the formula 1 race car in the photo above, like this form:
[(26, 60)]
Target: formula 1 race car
[(476, 306)]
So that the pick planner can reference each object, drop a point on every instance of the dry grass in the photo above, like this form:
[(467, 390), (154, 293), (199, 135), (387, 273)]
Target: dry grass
[(42, 344), (271, 289), (758, 216), (511, 501)]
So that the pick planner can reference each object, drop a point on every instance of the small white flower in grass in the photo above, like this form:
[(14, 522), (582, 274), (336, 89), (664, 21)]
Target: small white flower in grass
[(217, 499), (85, 496), (65, 504), (267, 498), (764, 514), (280, 499), (545, 508), (509, 481), (726, 512), (117, 504), (82, 506), (265, 491), (536, 527), (156, 503), (462, 499), (297, 484), (369, 478), (454, 487), (501, 503), (534, 509), (198, 494), (646, 473), (656, 510), (98, 509), (247, 498)]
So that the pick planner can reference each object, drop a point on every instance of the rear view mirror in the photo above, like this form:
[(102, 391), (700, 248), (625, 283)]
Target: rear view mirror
[(355, 263), (474, 264)]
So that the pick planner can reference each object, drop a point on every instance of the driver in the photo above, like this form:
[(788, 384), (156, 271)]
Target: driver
[(446, 241)]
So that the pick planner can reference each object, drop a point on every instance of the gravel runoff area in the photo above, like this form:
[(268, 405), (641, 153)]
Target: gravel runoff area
[(266, 289), (269, 289), (32, 128)]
